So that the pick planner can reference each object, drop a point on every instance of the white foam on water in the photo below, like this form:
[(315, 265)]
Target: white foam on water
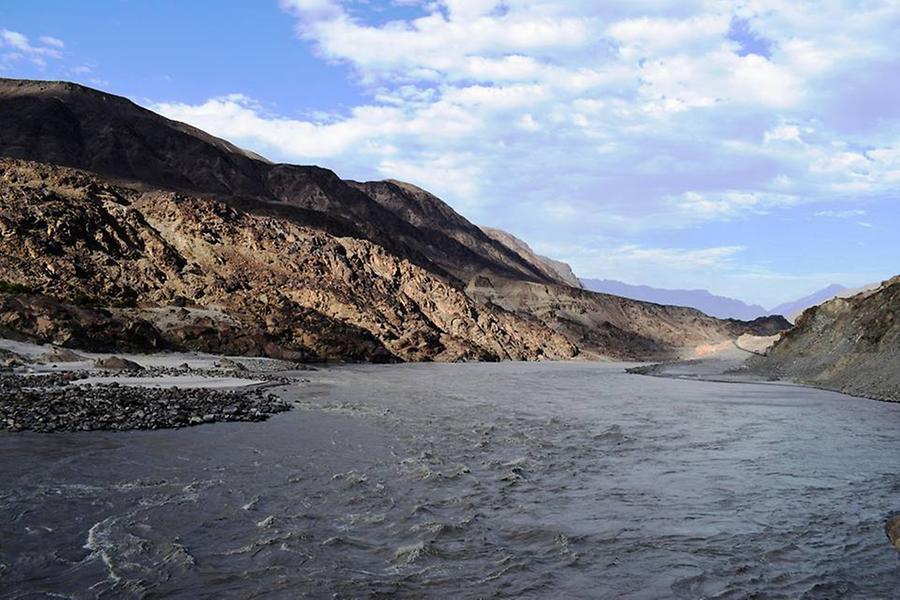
[(100, 544)]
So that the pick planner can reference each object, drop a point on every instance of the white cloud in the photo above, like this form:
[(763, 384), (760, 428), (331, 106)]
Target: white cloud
[(15, 46), (645, 36), (782, 133), (52, 41), (841, 214), (674, 258)]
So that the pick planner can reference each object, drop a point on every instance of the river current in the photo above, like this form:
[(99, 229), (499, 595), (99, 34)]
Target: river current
[(559, 480)]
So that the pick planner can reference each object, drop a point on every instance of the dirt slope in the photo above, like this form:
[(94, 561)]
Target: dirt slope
[(847, 344)]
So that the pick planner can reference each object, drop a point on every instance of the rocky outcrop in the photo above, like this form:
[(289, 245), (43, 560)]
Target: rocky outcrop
[(847, 344), (117, 363), (47, 320), (761, 326), (264, 284), (892, 530)]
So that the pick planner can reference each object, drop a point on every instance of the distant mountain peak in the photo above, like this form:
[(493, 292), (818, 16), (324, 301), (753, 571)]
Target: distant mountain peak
[(792, 310)]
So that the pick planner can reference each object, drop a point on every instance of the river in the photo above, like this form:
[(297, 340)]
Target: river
[(556, 480)]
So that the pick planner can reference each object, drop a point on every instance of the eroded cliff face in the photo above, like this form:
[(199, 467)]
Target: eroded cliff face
[(241, 282), (847, 344)]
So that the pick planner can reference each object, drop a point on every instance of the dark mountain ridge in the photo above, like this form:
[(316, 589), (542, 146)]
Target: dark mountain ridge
[(70, 125)]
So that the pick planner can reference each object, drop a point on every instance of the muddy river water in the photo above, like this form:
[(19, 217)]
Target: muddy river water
[(569, 480)]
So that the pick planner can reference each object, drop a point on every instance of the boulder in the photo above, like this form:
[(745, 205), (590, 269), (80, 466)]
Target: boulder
[(892, 529), (231, 365), (59, 355), (117, 363)]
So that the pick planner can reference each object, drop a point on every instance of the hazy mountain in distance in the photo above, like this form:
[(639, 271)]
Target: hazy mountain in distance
[(714, 306), (792, 310)]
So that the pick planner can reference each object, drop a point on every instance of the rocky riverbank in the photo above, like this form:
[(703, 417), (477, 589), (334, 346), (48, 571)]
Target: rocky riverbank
[(56, 402)]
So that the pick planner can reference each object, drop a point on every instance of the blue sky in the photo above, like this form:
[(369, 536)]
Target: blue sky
[(751, 148)]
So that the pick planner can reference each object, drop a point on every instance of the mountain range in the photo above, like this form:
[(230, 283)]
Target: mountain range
[(715, 306), (711, 304), (122, 228)]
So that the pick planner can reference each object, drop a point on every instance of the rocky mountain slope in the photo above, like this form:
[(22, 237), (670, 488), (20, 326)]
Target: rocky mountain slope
[(607, 325), (70, 125), (550, 268), (193, 242), (847, 344), (228, 280), (455, 244)]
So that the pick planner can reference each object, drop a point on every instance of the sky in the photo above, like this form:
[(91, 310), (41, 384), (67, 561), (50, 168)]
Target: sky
[(750, 147)]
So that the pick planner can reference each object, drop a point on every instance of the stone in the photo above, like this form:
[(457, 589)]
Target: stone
[(892, 530), (117, 363)]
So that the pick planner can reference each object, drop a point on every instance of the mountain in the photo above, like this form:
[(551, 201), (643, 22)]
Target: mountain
[(847, 344), (69, 125), (115, 215), (792, 310), (452, 242), (710, 304), (209, 276), (554, 269)]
